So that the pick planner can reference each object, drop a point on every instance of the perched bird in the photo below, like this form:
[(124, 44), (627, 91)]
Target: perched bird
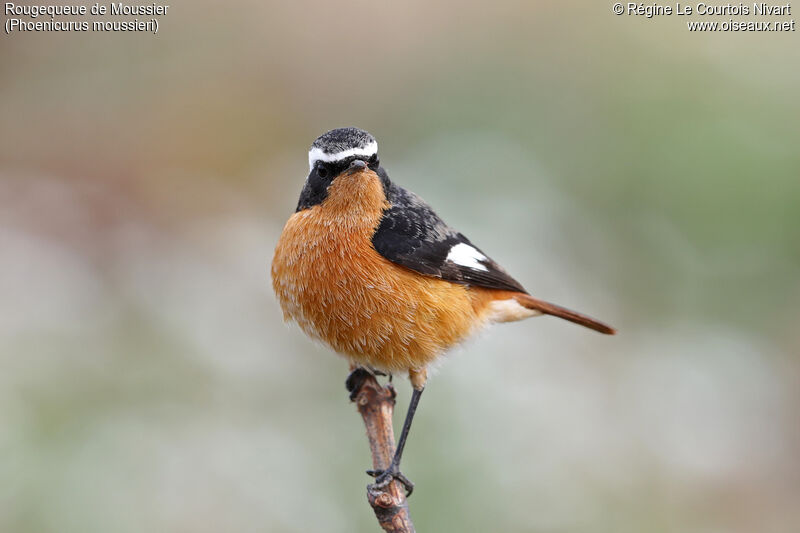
[(368, 268)]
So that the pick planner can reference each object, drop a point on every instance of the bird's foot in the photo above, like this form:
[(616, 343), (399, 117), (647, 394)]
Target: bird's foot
[(384, 477), (355, 381)]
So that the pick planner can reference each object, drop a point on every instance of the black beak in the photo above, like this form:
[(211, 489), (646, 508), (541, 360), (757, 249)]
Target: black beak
[(357, 165)]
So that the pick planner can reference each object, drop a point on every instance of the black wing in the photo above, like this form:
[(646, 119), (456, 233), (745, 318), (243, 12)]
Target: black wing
[(412, 235)]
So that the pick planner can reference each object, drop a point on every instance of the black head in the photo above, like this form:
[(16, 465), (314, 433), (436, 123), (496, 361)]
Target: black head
[(337, 151)]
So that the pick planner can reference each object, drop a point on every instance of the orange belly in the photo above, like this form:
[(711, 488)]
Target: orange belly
[(340, 290), (331, 281)]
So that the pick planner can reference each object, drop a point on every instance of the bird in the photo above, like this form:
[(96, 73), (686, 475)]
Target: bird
[(369, 269)]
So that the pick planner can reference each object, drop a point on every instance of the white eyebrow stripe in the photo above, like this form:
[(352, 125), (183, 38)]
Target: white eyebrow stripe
[(316, 154), (465, 255)]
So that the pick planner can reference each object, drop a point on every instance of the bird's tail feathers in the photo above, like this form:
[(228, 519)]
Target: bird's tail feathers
[(528, 301)]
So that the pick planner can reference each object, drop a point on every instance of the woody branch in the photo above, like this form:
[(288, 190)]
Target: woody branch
[(376, 404)]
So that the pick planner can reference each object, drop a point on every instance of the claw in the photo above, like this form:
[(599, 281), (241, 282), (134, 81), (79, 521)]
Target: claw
[(384, 477), (354, 382)]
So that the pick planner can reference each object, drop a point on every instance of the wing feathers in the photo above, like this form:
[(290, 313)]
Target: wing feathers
[(412, 235)]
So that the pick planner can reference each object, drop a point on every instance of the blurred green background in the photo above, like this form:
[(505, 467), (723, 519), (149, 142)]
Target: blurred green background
[(621, 166)]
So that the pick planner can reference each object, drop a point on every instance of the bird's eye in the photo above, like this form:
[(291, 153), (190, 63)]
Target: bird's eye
[(373, 161), (322, 171)]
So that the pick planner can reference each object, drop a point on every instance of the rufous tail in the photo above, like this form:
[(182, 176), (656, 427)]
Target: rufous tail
[(547, 308)]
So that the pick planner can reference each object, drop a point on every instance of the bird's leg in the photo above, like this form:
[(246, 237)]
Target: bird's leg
[(384, 477)]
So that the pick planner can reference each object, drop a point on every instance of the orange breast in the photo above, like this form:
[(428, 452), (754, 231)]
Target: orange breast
[(331, 281)]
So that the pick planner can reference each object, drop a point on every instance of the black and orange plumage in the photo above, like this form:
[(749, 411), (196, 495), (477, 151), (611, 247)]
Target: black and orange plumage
[(368, 268)]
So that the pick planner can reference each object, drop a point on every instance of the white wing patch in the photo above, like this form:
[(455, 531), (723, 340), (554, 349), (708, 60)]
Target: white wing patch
[(465, 255), (316, 154)]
